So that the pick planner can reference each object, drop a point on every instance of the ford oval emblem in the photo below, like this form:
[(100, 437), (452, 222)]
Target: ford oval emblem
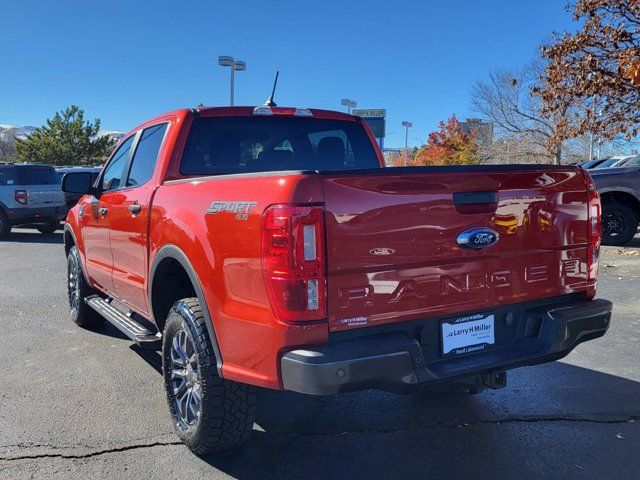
[(477, 238)]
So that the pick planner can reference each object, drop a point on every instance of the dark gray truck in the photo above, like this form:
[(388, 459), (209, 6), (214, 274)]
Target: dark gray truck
[(619, 190)]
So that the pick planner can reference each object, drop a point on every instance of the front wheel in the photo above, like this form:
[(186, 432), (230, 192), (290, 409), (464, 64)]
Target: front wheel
[(619, 223), (78, 289), (209, 413)]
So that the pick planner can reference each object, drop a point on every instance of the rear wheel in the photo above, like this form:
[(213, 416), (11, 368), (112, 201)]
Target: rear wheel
[(209, 413), (5, 226), (77, 289), (48, 227), (619, 223)]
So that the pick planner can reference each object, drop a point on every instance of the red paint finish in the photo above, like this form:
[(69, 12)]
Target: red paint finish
[(391, 252), (129, 245)]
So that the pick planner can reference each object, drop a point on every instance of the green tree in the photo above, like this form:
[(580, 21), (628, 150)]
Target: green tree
[(66, 139)]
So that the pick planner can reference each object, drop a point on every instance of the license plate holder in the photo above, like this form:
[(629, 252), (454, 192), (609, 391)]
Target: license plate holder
[(468, 335)]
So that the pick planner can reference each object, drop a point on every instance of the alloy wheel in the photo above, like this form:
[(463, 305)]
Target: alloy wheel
[(185, 379), (74, 284), (614, 224)]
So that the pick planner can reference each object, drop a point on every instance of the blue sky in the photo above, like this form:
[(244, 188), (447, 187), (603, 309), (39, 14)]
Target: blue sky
[(125, 62)]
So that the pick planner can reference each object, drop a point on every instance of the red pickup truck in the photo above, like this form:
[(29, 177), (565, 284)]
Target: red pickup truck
[(268, 247)]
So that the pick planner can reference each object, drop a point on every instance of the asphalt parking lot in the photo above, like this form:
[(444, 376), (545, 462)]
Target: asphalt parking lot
[(82, 404)]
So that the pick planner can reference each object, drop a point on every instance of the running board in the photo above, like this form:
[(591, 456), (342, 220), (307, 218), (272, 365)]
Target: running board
[(137, 332)]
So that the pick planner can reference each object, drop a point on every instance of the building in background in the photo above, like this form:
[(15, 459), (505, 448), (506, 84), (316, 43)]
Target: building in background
[(484, 130), (390, 153)]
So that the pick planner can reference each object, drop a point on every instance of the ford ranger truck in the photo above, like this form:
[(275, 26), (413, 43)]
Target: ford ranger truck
[(269, 247)]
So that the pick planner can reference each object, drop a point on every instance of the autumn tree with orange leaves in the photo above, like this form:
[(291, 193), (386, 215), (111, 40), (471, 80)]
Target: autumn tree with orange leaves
[(448, 145), (592, 81)]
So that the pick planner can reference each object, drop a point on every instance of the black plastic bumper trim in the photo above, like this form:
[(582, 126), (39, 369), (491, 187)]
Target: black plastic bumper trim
[(394, 361)]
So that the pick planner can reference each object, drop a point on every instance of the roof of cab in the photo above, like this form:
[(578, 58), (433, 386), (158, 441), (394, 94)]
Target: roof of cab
[(243, 111)]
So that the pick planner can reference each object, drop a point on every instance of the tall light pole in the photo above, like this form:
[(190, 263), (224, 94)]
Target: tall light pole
[(234, 65), (349, 104), (407, 126)]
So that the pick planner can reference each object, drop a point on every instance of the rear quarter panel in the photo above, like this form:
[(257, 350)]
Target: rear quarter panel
[(226, 255)]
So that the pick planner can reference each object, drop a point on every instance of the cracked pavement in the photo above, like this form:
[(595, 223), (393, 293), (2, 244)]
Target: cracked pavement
[(82, 404)]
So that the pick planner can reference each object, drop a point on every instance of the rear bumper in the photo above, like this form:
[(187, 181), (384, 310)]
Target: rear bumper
[(396, 360), (30, 215)]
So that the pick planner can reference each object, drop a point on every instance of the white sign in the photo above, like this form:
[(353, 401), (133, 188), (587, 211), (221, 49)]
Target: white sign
[(466, 335)]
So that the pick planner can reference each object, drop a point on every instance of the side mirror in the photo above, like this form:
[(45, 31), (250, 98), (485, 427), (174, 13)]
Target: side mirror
[(78, 182)]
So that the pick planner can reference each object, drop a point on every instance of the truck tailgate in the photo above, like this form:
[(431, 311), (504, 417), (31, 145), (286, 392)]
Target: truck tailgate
[(392, 241), (45, 196)]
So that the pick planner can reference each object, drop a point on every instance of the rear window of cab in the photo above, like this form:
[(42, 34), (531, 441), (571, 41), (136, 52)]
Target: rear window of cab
[(226, 145), (28, 175)]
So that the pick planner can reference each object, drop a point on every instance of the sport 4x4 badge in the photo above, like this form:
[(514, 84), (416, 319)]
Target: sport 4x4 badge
[(241, 208)]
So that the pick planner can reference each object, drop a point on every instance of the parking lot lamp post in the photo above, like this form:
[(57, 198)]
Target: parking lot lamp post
[(234, 65), (349, 104), (407, 126)]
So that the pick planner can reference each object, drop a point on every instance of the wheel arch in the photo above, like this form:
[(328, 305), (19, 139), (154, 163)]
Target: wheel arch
[(165, 261), (69, 238), (622, 196)]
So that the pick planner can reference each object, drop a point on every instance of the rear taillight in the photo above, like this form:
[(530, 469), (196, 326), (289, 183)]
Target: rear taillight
[(293, 262), (595, 232), (21, 197)]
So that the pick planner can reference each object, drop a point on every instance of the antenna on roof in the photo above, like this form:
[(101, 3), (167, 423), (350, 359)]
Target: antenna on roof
[(270, 102)]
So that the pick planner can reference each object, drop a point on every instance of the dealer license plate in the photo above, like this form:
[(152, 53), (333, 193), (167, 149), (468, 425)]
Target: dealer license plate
[(470, 334)]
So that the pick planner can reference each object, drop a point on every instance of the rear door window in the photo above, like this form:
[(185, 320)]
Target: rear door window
[(146, 155), (225, 145)]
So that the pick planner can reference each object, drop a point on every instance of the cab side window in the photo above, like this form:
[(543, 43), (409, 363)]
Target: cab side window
[(146, 155), (113, 172)]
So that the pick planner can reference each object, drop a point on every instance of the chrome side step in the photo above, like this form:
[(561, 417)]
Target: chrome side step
[(137, 332)]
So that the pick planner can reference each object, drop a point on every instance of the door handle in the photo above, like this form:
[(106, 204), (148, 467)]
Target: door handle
[(135, 208), (103, 211)]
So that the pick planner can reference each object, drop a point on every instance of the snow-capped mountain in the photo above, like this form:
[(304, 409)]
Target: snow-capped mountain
[(113, 134), (13, 131), (8, 132)]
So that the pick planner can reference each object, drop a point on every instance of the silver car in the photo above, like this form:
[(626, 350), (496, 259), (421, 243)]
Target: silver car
[(30, 194)]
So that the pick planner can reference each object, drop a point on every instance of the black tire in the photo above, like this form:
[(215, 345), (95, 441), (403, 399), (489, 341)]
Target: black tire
[(77, 289), (225, 409), (619, 223), (5, 226), (48, 227)]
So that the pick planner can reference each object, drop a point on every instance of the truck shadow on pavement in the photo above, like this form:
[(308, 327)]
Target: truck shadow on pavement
[(554, 420), (28, 236)]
